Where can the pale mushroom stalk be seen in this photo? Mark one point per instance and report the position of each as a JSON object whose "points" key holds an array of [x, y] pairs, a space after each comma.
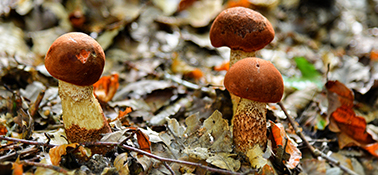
{"points": [[83, 117], [252, 83], [236, 55]]}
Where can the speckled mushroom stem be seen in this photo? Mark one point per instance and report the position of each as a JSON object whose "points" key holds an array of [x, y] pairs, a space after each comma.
{"points": [[83, 117], [237, 55], [248, 123]]}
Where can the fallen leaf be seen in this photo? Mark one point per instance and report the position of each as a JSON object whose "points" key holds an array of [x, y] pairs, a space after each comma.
{"points": [[281, 138], [372, 149], [17, 167], [105, 88], [224, 66], [143, 141], [236, 3], [120, 163], [224, 161], [57, 152], [342, 117]]}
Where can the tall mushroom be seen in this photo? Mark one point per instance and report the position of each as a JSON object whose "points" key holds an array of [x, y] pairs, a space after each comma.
{"points": [[77, 61], [243, 30], [252, 83]]}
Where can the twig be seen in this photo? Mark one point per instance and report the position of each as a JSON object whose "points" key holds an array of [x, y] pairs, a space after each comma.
{"points": [[169, 168], [34, 107], [21, 153], [55, 168], [163, 159], [114, 144], [185, 83], [29, 142], [315, 152]]}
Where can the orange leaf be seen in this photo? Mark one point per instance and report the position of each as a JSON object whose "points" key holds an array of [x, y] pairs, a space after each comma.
{"points": [[344, 95], [372, 148], [236, 3], [374, 55], [280, 137], [3, 129], [143, 141], [17, 167], [343, 119], [122, 114], [352, 125], [57, 152], [105, 88], [224, 66], [195, 73]]}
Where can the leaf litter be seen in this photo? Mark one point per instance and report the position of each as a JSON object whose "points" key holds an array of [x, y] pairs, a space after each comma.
{"points": [[168, 97]]}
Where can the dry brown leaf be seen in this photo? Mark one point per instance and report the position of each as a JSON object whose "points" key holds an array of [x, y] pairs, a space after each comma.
{"points": [[120, 163]]}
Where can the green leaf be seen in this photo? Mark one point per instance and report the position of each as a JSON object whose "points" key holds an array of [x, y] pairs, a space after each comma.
{"points": [[309, 75], [307, 69]]}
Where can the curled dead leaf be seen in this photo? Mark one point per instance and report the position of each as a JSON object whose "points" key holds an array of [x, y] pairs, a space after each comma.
{"points": [[105, 88], [281, 138], [57, 152], [351, 128]]}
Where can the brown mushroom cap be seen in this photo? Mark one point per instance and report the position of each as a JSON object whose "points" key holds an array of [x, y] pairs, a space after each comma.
{"points": [[241, 28], [255, 79], [75, 58]]}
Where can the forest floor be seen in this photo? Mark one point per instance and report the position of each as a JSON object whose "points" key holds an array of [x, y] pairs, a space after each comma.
{"points": [[170, 113]]}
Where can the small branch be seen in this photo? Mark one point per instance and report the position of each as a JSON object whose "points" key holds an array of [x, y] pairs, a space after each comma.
{"points": [[16, 153], [28, 142], [55, 168], [169, 168], [163, 159], [114, 144], [315, 152], [34, 107]]}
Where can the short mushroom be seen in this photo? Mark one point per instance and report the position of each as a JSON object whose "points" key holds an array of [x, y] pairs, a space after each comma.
{"points": [[252, 83], [77, 61], [243, 30]]}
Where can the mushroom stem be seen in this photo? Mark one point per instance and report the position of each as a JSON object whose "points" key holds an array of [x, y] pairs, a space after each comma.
{"points": [[248, 123], [83, 117], [237, 55]]}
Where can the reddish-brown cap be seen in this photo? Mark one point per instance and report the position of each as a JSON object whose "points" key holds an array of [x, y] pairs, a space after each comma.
{"points": [[241, 28], [75, 58], [255, 79]]}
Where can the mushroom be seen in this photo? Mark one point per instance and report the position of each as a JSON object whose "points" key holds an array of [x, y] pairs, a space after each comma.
{"points": [[77, 61], [252, 83], [243, 30]]}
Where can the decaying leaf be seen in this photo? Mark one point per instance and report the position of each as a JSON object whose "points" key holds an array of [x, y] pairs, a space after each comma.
{"points": [[106, 87], [224, 161], [352, 128], [17, 167], [283, 140], [179, 66], [224, 66], [255, 156], [120, 163], [57, 152]]}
